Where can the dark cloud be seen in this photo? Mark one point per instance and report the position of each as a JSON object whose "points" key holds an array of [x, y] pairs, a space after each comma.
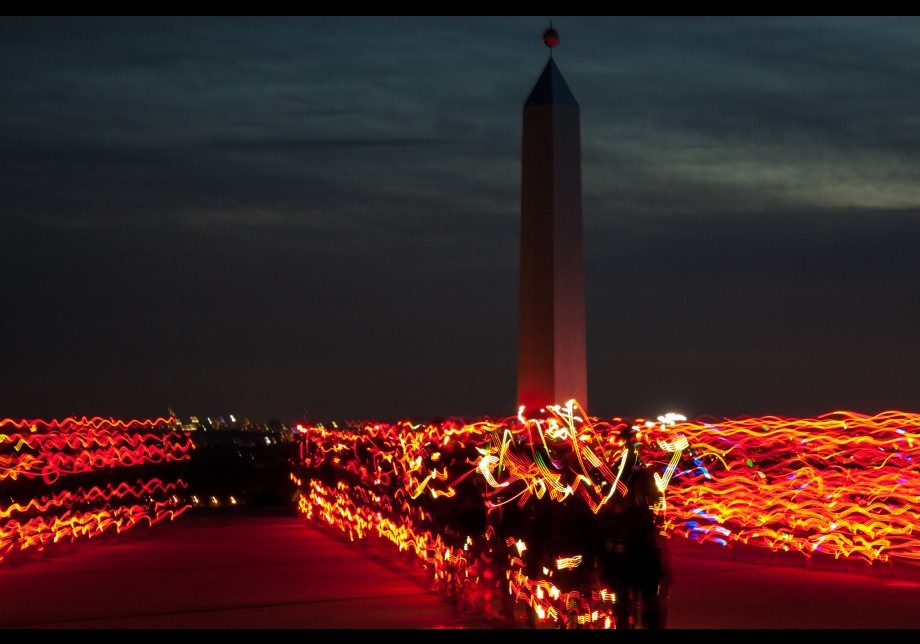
{"points": [[259, 215]]}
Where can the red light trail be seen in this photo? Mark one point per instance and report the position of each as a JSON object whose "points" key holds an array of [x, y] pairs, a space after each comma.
{"points": [[839, 485], [500, 512], [59, 452]]}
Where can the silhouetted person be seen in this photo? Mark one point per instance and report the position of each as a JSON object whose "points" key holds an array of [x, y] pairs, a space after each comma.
{"points": [[667, 580], [632, 562]]}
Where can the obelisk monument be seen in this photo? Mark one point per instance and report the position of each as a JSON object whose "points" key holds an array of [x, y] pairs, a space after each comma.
{"points": [[551, 326]]}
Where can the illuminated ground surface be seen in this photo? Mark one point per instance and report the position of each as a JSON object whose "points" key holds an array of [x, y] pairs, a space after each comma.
{"points": [[267, 569]]}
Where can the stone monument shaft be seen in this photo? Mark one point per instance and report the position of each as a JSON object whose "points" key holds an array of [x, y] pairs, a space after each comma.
{"points": [[551, 327]]}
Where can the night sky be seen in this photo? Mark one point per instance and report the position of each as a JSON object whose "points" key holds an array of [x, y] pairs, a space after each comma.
{"points": [[319, 216]]}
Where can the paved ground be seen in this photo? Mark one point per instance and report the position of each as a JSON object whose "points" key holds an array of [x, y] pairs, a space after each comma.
{"points": [[269, 570], [714, 592]]}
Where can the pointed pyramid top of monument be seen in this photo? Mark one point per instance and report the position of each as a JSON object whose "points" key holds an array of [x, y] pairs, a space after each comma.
{"points": [[551, 88]]}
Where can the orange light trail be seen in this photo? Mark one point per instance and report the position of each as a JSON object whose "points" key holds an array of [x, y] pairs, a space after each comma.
{"points": [[39, 459], [839, 485]]}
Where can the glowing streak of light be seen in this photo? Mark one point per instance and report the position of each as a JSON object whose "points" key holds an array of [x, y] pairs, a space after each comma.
{"points": [[568, 563], [54, 450], [839, 485]]}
